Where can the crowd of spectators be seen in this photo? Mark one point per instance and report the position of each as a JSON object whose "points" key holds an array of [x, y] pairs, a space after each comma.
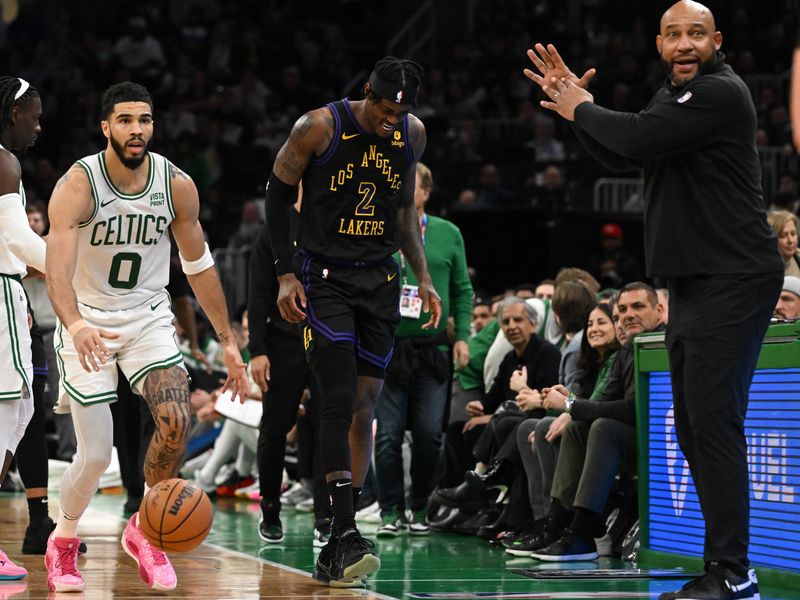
{"points": [[230, 79]]}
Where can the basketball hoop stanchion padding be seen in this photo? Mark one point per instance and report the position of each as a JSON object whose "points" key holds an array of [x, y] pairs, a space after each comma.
{"points": [[671, 524]]}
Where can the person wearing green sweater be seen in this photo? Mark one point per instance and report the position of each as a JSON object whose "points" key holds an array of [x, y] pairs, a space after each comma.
{"points": [[418, 376]]}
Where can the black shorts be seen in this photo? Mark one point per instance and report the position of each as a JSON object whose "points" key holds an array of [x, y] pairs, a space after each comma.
{"points": [[354, 306]]}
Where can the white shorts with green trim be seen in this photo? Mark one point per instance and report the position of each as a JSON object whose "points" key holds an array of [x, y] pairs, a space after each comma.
{"points": [[146, 341], [16, 366]]}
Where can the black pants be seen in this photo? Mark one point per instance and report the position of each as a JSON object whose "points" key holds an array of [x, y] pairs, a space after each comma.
{"points": [[290, 376], [716, 327], [31, 452], [458, 455]]}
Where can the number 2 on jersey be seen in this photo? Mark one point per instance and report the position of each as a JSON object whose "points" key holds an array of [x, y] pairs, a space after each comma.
{"points": [[365, 208]]}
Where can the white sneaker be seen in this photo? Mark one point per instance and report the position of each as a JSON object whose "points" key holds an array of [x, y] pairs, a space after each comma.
{"points": [[370, 513], [305, 506], [245, 491], [208, 486], [297, 493]]}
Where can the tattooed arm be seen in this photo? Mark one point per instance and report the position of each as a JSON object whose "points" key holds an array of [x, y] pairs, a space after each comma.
{"points": [[206, 286], [310, 137], [410, 234]]}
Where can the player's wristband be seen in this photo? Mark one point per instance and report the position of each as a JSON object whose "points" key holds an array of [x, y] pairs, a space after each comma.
{"points": [[77, 326], [193, 267]]}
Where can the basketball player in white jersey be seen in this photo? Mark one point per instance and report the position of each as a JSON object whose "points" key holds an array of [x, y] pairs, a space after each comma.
{"points": [[20, 110], [107, 269]]}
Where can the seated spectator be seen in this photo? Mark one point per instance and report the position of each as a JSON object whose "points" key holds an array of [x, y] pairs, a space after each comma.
{"points": [[544, 145], [518, 321], [788, 307], [481, 315], [784, 224], [612, 266], [598, 443], [545, 289], [538, 440]]}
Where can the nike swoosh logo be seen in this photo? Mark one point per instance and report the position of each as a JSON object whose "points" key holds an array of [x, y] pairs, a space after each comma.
{"points": [[390, 277], [107, 202], [349, 137], [344, 484], [155, 306]]}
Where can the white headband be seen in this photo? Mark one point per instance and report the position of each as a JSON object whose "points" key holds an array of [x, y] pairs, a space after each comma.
{"points": [[23, 87]]}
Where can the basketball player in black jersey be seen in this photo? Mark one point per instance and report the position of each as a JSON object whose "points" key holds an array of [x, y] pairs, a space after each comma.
{"points": [[357, 160]]}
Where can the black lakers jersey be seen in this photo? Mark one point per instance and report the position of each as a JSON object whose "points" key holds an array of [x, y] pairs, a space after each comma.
{"points": [[352, 192]]}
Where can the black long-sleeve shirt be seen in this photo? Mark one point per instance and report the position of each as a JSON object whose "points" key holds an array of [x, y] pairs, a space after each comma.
{"points": [[541, 359], [704, 205], [262, 308]]}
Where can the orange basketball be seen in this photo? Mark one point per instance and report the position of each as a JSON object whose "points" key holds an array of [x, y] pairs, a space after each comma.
{"points": [[175, 515]]}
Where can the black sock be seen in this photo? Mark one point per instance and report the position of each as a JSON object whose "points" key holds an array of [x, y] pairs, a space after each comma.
{"points": [[560, 517], [356, 496], [587, 524], [341, 492], [37, 509], [270, 509]]}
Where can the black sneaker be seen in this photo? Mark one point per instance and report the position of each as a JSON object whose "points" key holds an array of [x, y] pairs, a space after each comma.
{"points": [[270, 531], [567, 548], [527, 544], [718, 583], [346, 560], [35, 540]]}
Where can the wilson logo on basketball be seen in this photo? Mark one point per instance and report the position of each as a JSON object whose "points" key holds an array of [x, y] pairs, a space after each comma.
{"points": [[187, 492]]}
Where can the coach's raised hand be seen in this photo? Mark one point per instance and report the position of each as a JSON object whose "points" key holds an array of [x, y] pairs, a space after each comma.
{"points": [[550, 65]]}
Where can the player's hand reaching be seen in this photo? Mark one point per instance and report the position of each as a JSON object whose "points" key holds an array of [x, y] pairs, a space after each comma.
{"points": [[550, 65], [91, 349], [291, 292], [237, 382], [431, 302]]}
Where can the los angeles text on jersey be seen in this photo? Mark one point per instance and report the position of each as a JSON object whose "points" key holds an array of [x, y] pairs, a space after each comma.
{"points": [[122, 230], [371, 158]]}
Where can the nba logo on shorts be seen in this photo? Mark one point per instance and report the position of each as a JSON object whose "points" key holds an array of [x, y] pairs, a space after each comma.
{"points": [[399, 98]]}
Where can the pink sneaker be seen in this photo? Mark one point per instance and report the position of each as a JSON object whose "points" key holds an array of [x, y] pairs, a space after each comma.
{"points": [[8, 570], [154, 566], [61, 561]]}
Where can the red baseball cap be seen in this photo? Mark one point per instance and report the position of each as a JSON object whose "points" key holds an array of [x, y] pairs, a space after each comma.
{"points": [[611, 230]]}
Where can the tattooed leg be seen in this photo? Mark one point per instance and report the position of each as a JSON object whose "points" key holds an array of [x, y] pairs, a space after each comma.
{"points": [[167, 394]]}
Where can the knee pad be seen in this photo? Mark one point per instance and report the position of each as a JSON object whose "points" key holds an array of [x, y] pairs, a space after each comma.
{"points": [[334, 369]]}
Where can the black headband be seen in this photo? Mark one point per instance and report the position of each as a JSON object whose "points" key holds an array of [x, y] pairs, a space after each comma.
{"points": [[393, 92]]}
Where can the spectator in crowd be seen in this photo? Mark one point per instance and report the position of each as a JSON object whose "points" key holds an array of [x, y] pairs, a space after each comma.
{"points": [[788, 307], [546, 148], [415, 392], [545, 289], [784, 224], [481, 315], [599, 442], [612, 266]]}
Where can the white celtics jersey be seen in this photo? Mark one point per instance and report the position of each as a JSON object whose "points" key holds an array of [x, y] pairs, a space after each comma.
{"points": [[124, 247], [9, 263]]}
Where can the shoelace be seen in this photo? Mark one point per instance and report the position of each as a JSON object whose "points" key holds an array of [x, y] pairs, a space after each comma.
{"points": [[67, 560], [355, 540], [159, 556]]}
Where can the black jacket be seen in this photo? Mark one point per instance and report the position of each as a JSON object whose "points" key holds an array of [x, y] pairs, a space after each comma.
{"points": [[618, 400], [540, 357], [262, 308], [704, 205]]}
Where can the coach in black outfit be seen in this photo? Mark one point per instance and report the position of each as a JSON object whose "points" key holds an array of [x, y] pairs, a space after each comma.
{"points": [[276, 347], [706, 233]]}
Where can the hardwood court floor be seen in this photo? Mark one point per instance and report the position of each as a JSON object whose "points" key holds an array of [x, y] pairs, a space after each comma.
{"points": [[234, 564]]}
